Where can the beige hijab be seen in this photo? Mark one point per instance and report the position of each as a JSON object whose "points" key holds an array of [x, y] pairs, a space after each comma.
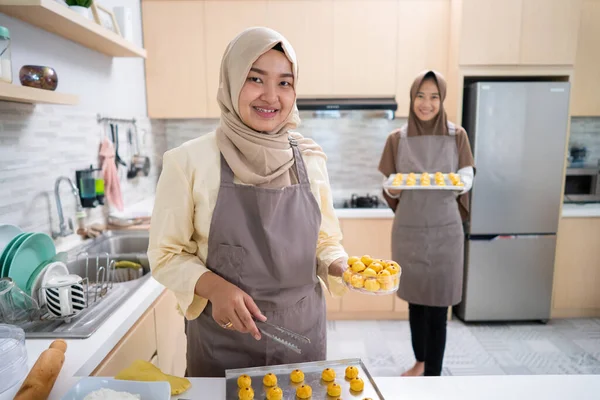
{"points": [[256, 158], [438, 125]]}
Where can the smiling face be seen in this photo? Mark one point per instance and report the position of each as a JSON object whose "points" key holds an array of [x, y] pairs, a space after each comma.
{"points": [[268, 95], [427, 101]]}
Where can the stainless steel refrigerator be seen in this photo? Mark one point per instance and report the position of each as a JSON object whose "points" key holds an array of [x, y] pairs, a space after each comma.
{"points": [[518, 134]]}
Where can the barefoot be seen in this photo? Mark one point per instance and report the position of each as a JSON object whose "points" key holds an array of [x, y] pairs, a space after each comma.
{"points": [[417, 370]]}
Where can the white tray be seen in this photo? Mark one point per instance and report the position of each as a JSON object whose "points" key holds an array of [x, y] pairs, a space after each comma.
{"points": [[417, 186], [146, 390]]}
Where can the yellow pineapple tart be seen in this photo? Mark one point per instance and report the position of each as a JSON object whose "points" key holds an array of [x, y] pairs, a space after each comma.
{"points": [[270, 380], [347, 276], [334, 389], [372, 285], [275, 393], [297, 376], [351, 372], [369, 272], [376, 266], [366, 259], [352, 260], [357, 281], [328, 375], [304, 391], [358, 266], [244, 381], [246, 393], [357, 385]]}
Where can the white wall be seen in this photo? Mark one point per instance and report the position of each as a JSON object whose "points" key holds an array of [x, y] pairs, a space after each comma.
{"points": [[104, 84]]}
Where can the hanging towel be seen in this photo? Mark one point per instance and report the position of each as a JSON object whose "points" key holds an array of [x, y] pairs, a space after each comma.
{"points": [[112, 185]]}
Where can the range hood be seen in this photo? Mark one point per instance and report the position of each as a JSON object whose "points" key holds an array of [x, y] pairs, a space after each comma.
{"points": [[346, 103]]}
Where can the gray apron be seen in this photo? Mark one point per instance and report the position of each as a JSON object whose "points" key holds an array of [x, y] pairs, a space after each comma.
{"points": [[427, 234], [264, 241]]}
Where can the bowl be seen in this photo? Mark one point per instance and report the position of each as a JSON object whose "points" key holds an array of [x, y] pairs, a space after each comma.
{"points": [[382, 280], [146, 390], [38, 76]]}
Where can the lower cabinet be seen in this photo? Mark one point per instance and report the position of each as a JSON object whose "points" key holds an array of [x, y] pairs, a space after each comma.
{"points": [[158, 337]]}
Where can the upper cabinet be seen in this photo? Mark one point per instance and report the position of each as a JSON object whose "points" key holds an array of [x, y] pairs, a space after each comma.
{"points": [[423, 28], [585, 98], [549, 32], [490, 32], [364, 47], [513, 32], [223, 20], [176, 65], [309, 28]]}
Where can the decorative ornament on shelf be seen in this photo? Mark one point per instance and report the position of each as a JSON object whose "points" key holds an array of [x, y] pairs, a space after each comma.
{"points": [[81, 7], [106, 18], [38, 76]]}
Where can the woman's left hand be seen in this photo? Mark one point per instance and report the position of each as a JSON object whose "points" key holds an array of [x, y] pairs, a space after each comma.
{"points": [[338, 267]]}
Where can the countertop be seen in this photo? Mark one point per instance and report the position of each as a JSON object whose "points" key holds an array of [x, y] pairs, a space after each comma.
{"points": [[571, 210], [515, 387]]}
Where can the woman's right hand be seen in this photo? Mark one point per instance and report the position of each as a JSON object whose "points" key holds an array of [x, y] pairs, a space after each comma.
{"points": [[231, 304]]}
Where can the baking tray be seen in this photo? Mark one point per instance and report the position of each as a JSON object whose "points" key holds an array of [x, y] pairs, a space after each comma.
{"points": [[387, 184], [312, 376]]}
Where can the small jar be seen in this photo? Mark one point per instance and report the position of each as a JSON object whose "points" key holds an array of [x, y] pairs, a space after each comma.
{"points": [[5, 56]]}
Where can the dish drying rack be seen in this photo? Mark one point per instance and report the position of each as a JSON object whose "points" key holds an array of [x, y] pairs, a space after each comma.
{"points": [[94, 291]]}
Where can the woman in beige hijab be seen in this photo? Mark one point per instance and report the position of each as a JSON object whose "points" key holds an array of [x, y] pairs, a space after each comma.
{"points": [[243, 228], [427, 234]]}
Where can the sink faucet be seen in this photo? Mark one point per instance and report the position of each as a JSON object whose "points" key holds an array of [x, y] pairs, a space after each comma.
{"points": [[63, 229]]}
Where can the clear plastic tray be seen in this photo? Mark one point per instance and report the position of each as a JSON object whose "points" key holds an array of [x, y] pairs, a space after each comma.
{"points": [[401, 182], [378, 285], [312, 376]]}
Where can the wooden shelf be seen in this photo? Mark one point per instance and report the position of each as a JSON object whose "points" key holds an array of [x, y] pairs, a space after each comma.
{"points": [[24, 94], [56, 18]]}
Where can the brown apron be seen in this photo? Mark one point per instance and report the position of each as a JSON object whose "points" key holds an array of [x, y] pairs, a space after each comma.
{"points": [[427, 234], [264, 241]]}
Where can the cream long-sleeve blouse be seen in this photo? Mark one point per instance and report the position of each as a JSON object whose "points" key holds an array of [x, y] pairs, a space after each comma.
{"points": [[186, 195]]}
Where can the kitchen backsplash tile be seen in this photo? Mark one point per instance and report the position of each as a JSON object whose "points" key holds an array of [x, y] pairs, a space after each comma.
{"points": [[40, 143], [353, 143], [586, 132]]}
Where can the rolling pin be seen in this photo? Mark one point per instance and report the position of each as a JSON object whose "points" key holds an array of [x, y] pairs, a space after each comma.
{"points": [[40, 380]]}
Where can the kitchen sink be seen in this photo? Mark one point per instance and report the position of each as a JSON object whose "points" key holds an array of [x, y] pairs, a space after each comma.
{"points": [[90, 259]]}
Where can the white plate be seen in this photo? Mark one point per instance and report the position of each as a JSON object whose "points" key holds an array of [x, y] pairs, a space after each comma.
{"points": [[7, 233], [52, 270], [147, 390]]}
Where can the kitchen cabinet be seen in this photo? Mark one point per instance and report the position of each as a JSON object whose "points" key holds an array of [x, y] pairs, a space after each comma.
{"points": [[174, 36], [586, 82], [158, 337], [308, 26], [171, 342], [490, 32], [519, 32], [139, 343], [549, 31], [223, 21], [426, 50], [365, 47], [577, 269]]}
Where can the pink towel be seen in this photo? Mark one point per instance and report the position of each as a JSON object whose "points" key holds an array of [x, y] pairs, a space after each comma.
{"points": [[112, 185]]}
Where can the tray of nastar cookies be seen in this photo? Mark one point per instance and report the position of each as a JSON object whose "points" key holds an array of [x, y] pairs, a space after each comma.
{"points": [[424, 181], [332, 380]]}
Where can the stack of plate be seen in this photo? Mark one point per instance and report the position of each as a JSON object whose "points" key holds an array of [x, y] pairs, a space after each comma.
{"points": [[24, 256]]}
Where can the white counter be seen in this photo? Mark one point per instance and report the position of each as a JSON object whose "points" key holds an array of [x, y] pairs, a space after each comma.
{"points": [[570, 210], [84, 355], [516, 387]]}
